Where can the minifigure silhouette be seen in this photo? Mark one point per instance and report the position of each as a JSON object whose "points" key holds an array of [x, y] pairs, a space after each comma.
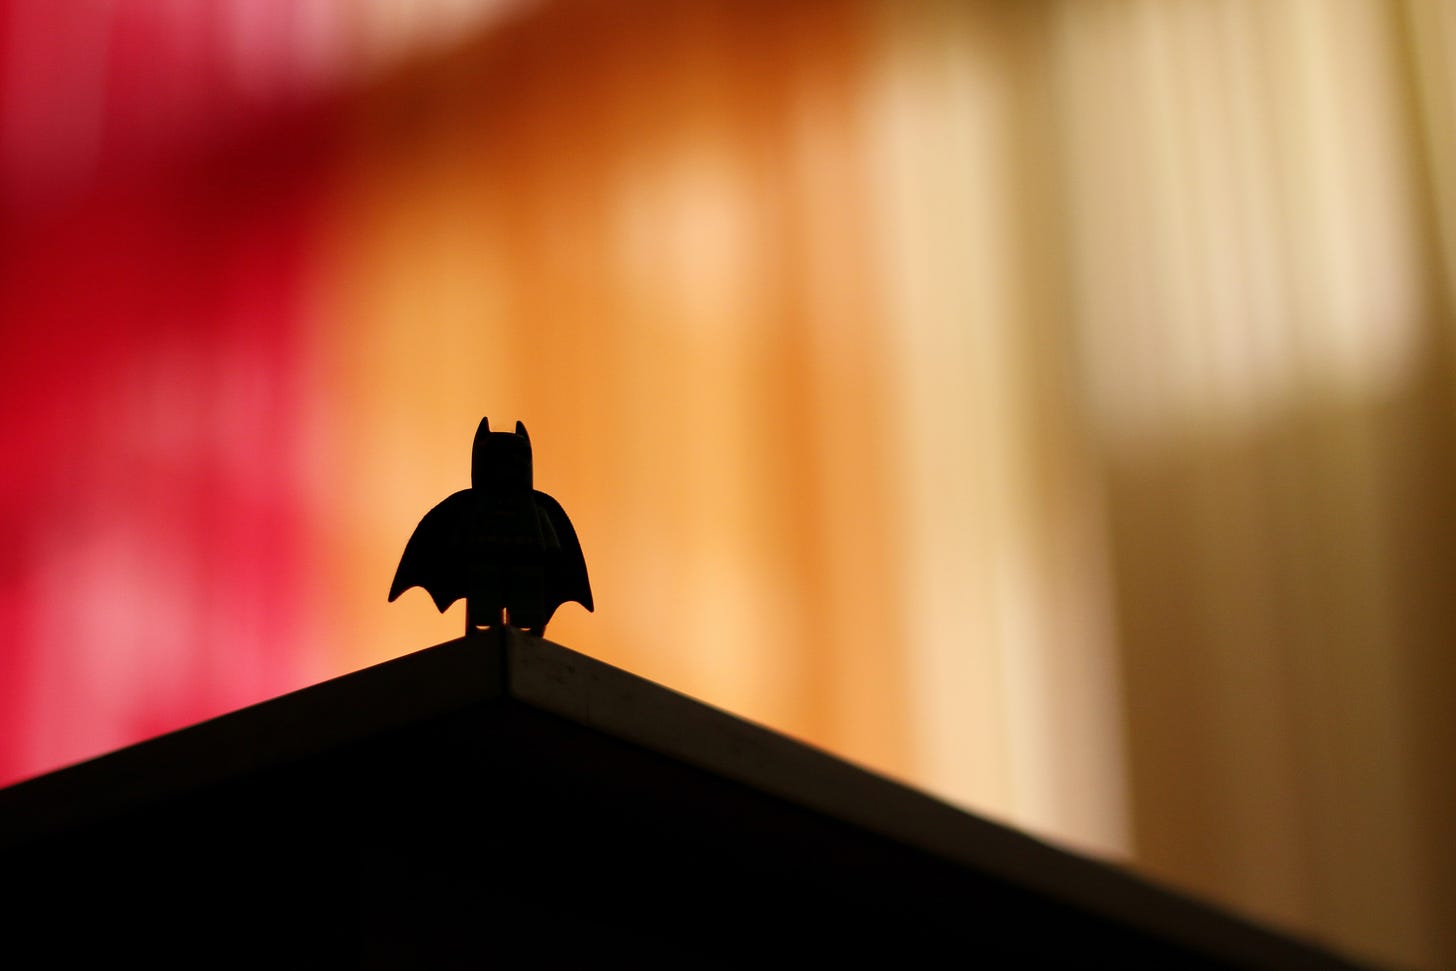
{"points": [[505, 547]]}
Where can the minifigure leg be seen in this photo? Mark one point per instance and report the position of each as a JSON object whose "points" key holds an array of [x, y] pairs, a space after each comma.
{"points": [[527, 610], [477, 617]]}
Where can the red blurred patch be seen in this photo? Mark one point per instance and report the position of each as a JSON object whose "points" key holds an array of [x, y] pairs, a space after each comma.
{"points": [[152, 310]]}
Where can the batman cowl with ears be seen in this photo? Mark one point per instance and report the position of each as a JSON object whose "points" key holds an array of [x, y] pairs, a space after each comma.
{"points": [[507, 549]]}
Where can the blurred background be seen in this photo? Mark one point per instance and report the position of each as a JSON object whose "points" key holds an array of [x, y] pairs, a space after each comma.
{"points": [[1047, 404]]}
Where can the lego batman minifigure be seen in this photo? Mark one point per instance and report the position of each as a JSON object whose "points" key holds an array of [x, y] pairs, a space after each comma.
{"points": [[508, 549]]}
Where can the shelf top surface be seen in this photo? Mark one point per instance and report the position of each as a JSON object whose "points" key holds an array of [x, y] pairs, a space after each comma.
{"points": [[511, 671]]}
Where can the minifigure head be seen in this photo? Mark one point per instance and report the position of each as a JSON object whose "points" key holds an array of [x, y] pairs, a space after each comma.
{"points": [[500, 462]]}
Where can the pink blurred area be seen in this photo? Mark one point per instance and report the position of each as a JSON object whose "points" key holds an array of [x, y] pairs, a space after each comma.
{"points": [[155, 216], [168, 180]]}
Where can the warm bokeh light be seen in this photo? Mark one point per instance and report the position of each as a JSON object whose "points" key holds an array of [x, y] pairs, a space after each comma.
{"points": [[1048, 404]]}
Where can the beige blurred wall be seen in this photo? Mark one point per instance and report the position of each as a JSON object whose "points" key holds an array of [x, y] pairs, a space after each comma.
{"points": [[1044, 403]]}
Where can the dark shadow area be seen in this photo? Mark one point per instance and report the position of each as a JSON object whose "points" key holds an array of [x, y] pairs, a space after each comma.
{"points": [[434, 812]]}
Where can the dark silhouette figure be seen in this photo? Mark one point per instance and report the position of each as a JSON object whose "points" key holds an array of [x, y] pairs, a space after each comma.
{"points": [[508, 549]]}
